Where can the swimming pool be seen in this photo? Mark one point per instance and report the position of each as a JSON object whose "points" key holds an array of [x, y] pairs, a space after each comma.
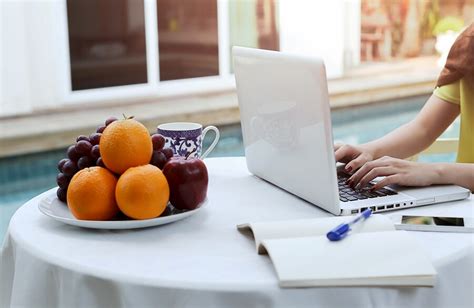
{"points": [[22, 177]]}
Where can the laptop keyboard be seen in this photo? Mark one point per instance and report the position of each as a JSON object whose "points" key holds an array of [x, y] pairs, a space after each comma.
{"points": [[346, 193]]}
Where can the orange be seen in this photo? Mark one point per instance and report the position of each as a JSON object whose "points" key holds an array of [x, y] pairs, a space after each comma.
{"points": [[142, 192], [91, 194], [124, 144]]}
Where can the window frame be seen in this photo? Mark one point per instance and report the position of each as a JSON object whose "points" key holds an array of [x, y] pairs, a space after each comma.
{"points": [[154, 88]]}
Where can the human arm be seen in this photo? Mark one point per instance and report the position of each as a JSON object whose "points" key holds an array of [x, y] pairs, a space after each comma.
{"points": [[405, 141]]}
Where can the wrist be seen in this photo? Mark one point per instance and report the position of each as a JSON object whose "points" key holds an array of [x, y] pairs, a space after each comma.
{"points": [[441, 174], [370, 149]]}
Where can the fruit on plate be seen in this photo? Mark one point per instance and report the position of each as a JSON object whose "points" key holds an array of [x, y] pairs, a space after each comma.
{"points": [[84, 153], [158, 142], [160, 154], [142, 192], [188, 180], [125, 144], [91, 194]]}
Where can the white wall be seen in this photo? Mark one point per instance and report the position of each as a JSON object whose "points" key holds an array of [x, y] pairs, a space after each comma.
{"points": [[30, 51], [13, 61], [351, 33]]}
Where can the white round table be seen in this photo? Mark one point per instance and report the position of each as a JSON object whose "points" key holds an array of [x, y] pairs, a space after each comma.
{"points": [[203, 261]]}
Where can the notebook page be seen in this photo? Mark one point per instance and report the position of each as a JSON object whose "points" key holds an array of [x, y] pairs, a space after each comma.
{"points": [[360, 259], [310, 227]]}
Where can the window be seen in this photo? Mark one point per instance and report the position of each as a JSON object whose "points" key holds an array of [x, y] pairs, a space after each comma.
{"points": [[106, 43], [187, 37], [254, 23], [146, 42]]}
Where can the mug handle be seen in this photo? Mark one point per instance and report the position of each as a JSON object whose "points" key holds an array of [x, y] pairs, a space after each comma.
{"points": [[213, 144]]}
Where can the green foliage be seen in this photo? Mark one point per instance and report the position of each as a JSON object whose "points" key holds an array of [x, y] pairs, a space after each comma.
{"points": [[448, 23]]}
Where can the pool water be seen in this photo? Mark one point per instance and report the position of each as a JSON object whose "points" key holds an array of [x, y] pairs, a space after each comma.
{"points": [[23, 177]]}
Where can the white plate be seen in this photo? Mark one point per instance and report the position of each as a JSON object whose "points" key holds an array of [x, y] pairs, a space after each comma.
{"points": [[52, 207]]}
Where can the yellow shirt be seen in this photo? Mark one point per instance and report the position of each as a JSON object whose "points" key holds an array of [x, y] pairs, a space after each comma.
{"points": [[462, 94]]}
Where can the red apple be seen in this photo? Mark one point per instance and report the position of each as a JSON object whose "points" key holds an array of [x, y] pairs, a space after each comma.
{"points": [[188, 179]]}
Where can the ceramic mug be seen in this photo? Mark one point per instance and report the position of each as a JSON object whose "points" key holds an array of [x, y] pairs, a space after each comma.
{"points": [[186, 138]]}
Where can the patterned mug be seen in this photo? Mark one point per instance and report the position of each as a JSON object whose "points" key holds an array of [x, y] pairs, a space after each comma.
{"points": [[185, 138]]}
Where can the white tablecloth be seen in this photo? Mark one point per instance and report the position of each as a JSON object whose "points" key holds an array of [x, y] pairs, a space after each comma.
{"points": [[203, 261]]}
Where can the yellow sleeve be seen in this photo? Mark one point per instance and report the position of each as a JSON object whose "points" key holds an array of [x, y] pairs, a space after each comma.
{"points": [[449, 92]]}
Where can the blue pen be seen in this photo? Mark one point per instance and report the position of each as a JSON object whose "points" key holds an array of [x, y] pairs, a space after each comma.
{"points": [[339, 232]]}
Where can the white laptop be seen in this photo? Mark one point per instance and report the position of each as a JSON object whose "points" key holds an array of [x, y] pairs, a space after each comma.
{"points": [[286, 126]]}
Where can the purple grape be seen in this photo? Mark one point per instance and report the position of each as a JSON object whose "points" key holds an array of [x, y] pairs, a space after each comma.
{"points": [[158, 142], [62, 194], [84, 162], [168, 152], [100, 162], [62, 180], [83, 147], [100, 129], [82, 137], [70, 168], [95, 152], [158, 159], [95, 138], [72, 153], [61, 164], [110, 120]]}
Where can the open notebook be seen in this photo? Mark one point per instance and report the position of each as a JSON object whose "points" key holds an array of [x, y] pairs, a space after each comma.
{"points": [[373, 255]]}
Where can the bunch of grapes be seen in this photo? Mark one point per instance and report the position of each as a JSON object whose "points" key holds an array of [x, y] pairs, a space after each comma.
{"points": [[86, 153], [161, 155], [83, 154]]}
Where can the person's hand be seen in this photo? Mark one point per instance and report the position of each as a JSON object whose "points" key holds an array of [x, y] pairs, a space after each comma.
{"points": [[353, 156], [395, 171]]}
